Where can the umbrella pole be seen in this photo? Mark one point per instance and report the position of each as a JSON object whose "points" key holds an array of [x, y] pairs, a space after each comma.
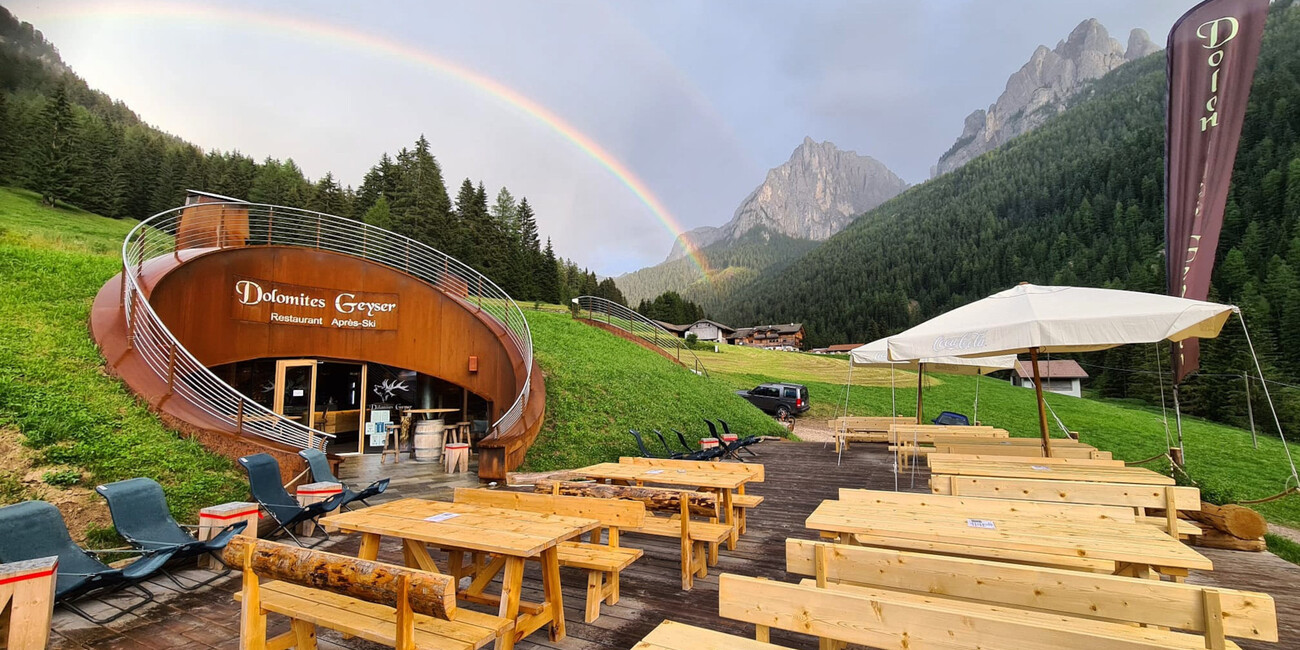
{"points": [[920, 379], [1042, 412], [977, 398]]}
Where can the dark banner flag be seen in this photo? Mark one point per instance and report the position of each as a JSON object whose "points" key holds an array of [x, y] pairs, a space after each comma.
{"points": [[1211, 60]]}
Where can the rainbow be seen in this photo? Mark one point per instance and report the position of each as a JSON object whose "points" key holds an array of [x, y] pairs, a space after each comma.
{"points": [[279, 25]]}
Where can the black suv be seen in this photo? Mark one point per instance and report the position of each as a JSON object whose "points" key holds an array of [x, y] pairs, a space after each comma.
{"points": [[782, 400]]}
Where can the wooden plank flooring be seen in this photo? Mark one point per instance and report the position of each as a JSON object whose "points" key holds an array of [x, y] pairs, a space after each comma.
{"points": [[799, 476]]}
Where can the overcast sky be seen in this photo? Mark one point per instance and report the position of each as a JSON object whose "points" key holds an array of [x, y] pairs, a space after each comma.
{"points": [[697, 99]]}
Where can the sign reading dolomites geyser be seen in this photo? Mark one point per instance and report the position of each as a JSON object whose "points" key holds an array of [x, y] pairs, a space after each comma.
{"points": [[1211, 61], [262, 301]]}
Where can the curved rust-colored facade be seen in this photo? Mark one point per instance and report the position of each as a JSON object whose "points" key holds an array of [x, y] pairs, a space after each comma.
{"points": [[203, 297]]}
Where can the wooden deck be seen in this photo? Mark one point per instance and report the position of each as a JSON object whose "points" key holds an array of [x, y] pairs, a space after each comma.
{"points": [[799, 476]]}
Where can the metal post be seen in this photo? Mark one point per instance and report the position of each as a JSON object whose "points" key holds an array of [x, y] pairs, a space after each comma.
{"points": [[239, 417], [920, 377], [1250, 412], [1178, 418], [171, 367]]}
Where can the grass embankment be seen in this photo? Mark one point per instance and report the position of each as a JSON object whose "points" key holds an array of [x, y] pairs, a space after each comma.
{"points": [[1220, 458], [64, 424], [599, 385]]}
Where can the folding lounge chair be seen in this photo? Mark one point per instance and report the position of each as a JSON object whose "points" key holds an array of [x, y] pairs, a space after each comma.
{"points": [[747, 440], [731, 449], [709, 453], [320, 473], [645, 453], [675, 455], [35, 529], [264, 482], [141, 516]]}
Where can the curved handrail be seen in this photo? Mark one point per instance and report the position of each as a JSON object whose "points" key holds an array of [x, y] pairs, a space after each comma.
{"points": [[646, 329], [219, 225]]}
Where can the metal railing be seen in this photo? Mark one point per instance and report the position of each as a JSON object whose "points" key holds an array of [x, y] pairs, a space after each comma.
{"points": [[613, 314], [215, 226]]}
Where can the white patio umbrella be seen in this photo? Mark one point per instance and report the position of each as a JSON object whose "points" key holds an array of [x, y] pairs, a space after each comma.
{"points": [[876, 354], [1034, 319]]}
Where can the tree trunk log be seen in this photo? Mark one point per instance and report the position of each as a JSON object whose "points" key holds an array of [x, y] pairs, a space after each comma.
{"points": [[1238, 521], [1212, 538], [703, 504], [376, 582]]}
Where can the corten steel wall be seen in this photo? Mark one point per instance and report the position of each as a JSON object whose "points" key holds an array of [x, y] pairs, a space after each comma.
{"points": [[434, 334]]}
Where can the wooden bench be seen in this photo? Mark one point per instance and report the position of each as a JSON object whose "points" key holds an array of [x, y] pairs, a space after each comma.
{"points": [[1106, 606], [602, 562], [699, 540], [1075, 450], [1171, 498], [741, 501], [27, 603], [928, 433], [1023, 460], [382, 603], [863, 429]]}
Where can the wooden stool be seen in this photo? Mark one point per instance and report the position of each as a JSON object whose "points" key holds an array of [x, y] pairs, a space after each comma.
{"points": [[26, 603], [213, 518], [313, 492], [457, 457]]}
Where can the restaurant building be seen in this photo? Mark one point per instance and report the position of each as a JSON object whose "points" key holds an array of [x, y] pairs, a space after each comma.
{"points": [[263, 328]]}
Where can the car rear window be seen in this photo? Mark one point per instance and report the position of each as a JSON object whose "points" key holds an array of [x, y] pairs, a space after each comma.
{"points": [[803, 392], [791, 393]]}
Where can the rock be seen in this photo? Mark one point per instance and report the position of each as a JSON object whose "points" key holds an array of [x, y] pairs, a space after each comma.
{"points": [[1040, 89], [815, 194]]}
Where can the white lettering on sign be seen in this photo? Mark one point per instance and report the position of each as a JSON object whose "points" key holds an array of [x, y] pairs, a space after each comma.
{"points": [[981, 523], [1215, 33], [268, 302], [967, 341]]}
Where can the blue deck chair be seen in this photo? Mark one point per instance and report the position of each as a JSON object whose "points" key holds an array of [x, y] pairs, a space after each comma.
{"points": [[951, 419], [141, 516], [35, 529], [320, 473], [264, 482]]}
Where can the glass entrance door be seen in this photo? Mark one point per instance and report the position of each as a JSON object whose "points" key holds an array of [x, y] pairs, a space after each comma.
{"points": [[295, 390]]}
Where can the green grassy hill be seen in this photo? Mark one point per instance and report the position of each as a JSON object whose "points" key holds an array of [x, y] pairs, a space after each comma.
{"points": [[598, 386], [65, 425], [1220, 459]]}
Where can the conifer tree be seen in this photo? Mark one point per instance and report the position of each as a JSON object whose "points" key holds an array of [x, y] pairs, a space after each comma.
{"points": [[55, 148]]}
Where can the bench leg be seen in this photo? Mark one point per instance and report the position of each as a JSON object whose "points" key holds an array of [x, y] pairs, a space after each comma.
{"points": [[611, 595], [713, 554], [304, 634], [552, 588], [594, 594], [511, 584], [702, 567], [688, 565]]}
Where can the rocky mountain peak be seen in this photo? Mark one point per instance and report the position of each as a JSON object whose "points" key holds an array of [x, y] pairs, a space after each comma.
{"points": [[1040, 89], [813, 195]]}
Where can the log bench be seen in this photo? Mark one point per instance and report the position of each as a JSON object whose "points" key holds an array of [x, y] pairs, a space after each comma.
{"points": [[382, 603], [1105, 607], [699, 540], [1171, 498], [602, 562]]}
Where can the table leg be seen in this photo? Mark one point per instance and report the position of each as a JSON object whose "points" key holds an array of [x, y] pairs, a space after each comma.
{"points": [[511, 586], [369, 546], [418, 556], [730, 513], [551, 588]]}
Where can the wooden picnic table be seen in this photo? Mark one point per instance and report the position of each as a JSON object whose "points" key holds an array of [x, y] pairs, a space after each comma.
{"points": [[511, 537], [722, 481], [1116, 547], [994, 468]]}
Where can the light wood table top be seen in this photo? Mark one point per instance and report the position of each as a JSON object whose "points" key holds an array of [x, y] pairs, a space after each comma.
{"points": [[474, 528], [1135, 475], [994, 536], [708, 478]]}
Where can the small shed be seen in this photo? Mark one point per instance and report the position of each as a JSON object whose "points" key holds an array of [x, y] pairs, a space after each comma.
{"points": [[1061, 376]]}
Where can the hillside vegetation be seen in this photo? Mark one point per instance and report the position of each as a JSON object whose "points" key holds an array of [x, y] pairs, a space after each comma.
{"points": [[599, 385], [63, 422], [1079, 201], [1220, 458]]}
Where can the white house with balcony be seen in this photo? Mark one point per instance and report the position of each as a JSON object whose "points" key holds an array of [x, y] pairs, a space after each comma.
{"points": [[1063, 376]]}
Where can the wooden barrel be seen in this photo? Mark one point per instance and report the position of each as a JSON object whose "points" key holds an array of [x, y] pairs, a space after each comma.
{"points": [[428, 440]]}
